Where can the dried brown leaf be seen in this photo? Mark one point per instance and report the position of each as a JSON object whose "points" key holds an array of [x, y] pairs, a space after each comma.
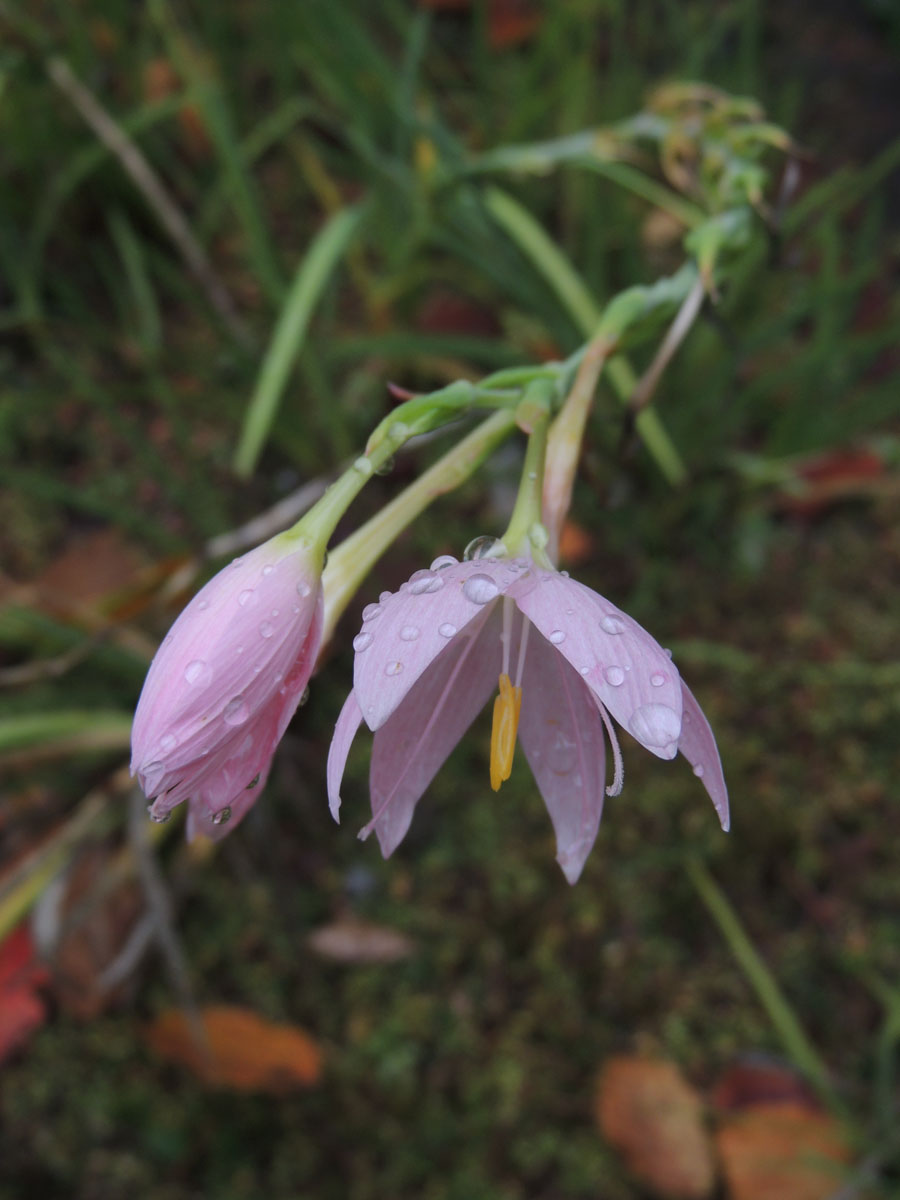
{"points": [[654, 1118]]}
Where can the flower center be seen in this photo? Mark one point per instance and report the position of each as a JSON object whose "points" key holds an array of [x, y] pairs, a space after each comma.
{"points": [[507, 707]]}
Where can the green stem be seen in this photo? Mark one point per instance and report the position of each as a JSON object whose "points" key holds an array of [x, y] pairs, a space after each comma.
{"points": [[778, 1008], [526, 534], [351, 561]]}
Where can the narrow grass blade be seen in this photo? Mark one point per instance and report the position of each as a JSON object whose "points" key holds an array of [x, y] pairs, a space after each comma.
{"points": [[312, 275]]}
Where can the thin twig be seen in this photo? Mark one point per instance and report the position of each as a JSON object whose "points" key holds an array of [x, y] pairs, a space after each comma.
{"points": [[154, 191], [157, 897], [678, 331]]}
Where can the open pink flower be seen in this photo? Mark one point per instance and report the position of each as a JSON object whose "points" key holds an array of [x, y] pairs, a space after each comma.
{"points": [[225, 683], [429, 657]]}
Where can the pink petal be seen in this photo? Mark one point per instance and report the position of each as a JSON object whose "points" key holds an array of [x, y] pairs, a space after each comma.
{"points": [[625, 668], [698, 745], [410, 629], [562, 735], [344, 733], [412, 746]]}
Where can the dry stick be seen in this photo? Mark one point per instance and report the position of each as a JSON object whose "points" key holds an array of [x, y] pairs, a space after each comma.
{"points": [[157, 897], [678, 331], [154, 192], [565, 438]]}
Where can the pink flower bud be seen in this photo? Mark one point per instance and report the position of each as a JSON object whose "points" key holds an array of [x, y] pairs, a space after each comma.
{"points": [[225, 683]]}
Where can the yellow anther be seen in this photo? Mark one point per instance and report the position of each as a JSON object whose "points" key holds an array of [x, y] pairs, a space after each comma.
{"points": [[507, 707]]}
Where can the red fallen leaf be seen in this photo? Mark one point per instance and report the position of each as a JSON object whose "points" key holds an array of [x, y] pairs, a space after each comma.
{"points": [[753, 1081], [245, 1052], [349, 940], [576, 545], [654, 1118], [22, 1010], [830, 477], [783, 1150]]}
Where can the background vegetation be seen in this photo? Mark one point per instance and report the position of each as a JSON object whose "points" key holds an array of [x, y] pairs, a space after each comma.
{"points": [[461, 1061]]}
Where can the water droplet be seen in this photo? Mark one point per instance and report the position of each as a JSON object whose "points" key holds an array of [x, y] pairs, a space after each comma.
{"points": [[295, 608], [240, 650], [562, 752], [668, 652], [247, 598], [198, 673], [304, 697], [480, 589], [236, 562], [612, 625], [246, 746], [168, 742], [585, 670], [222, 817], [362, 641], [202, 605], [699, 770], [253, 782], [257, 669], [443, 561], [371, 611], [236, 711], [303, 589], [393, 668], [564, 574], [570, 612], [484, 547], [386, 467], [384, 596], [614, 676], [447, 630], [656, 725], [557, 637], [425, 582], [363, 465], [409, 633], [658, 679], [268, 569], [266, 629], [159, 817]]}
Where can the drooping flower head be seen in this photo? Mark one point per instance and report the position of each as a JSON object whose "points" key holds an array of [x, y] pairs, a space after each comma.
{"points": [[225, 683], [565, 660]]}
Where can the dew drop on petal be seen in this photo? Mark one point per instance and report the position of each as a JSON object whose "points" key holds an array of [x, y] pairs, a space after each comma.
{"points": [[371, 611], [202, 605], [699, 770], [384, 596], [222, 817], [268, 569], [668, 652], [658, 679], [557, 637], [236, 711], [168, 742], [363, 465], [266, 629], [480, 589], [655, 725], [483, 547], [274, 612], [253, 782], [445, 560], [447, 630], [409, 633], [159, 817], [198, 673], [304, 697], [362, 641], [393, 668], [303, 589], [425, 582], [614, 676], [612, 625]]}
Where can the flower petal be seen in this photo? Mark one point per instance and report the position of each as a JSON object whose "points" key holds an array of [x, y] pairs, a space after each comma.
{"points": [[626, 669], [698, 745], [406, 632], [344, 733], [412, 746], [562, 735]]}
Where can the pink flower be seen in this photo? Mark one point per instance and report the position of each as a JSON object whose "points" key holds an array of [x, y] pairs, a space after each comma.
{"points": [[428, 658], [225, 683]]}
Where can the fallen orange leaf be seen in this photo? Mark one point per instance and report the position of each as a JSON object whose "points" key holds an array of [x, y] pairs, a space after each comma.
{"points": [[654, 1118], [782, 1150], [244, 1051]]}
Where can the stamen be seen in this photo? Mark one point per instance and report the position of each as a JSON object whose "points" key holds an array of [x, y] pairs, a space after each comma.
{"points": [[619, 776], [506, 636], [520, 665], [507, 707]]}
